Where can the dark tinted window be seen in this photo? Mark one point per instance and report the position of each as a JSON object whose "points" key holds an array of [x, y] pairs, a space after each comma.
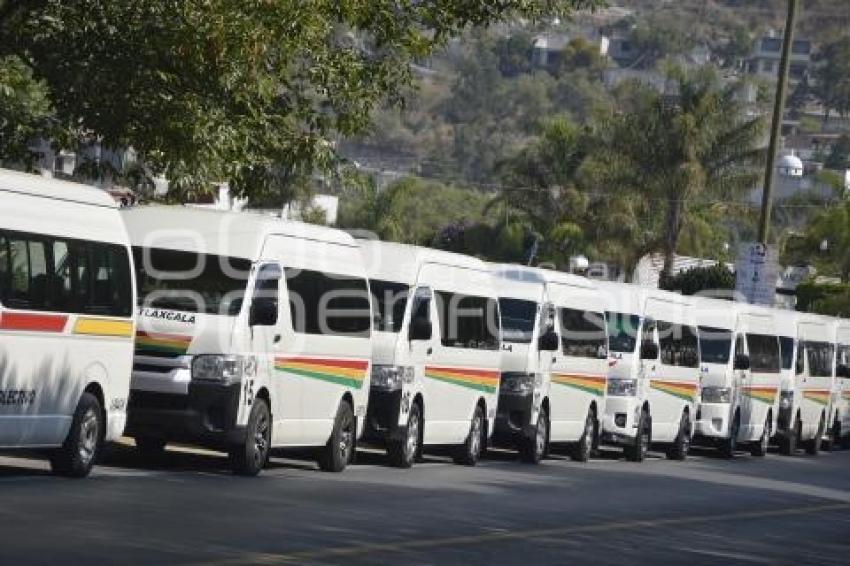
{"points": [[389, 300], [800, 367], [622, 331], [678, 345], [44, 273], [786, 351], [468, 321], [764, 353], [583, 333], [190, 282], [715, 345], [820, 356], [518, 317], [328, 304], [843, 355]]}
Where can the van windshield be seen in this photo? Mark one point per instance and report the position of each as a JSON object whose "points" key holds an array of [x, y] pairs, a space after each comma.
{"points": [[764, 353], [389, 300], [622, 331], [715, 345], [190, 282], [518, 318]]}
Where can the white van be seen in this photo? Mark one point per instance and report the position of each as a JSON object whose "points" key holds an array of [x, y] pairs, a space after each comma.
{"points": [[253, 333], [815, 376], [789, 395], [653, 379], [66, 328], [840, 433], [554, 361], [436, 355]]}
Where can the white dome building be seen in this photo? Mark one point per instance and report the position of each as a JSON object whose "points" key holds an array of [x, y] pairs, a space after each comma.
{"points": [[790, 166]]}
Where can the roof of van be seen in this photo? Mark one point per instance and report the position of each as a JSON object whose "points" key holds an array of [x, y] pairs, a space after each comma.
{"points": [[392, 261], [44, 187], [238, 234]]}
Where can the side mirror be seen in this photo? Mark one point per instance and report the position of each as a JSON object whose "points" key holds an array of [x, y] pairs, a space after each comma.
{"points": [[649, 351], [843, 371], [602, 353], [742, 362], [548, 341], [420, 329], [263, 312]]}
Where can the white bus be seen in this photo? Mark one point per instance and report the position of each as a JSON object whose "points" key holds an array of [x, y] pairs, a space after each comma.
{"points": [[554, 362], [66, 327], [840, 433], [436, 355], [253, 334], [815, 379]]}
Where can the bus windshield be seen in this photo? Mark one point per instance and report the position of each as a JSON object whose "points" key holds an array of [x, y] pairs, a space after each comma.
{"points": [[518, 318], [715, 345], [190, 282], [622, 331]]}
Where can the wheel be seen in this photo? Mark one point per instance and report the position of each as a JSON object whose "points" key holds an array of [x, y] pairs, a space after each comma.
{"points": [[788, 443], [85, 438], [813, 446], [636, 452], [834, 437], [403, 453], [250, 458], [759, 448], [727, 449], [339, 450], [532, 450], [150, 447], [583, 450], [682, 443], [469, 452]]}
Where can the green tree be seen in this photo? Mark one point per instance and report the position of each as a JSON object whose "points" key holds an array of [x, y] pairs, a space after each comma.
{"points": [[25, 111], [717, 277], [839, 155], [833, 228], [832, 76], [213, 90]]}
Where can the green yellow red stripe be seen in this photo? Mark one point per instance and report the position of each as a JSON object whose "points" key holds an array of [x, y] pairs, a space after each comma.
{"points": [[478, 379], [103, 327], [819, 396], [594, 384], [159, 343], [686, 391], [350, 373], [761, 393]]}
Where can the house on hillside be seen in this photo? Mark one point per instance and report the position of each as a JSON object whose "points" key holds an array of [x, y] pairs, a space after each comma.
{"points": [[767, 51]]}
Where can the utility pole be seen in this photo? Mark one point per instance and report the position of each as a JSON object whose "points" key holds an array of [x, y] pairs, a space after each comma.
{"points": [[776, 125]]}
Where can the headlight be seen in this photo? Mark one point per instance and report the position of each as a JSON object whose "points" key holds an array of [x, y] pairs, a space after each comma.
{"points": [[519, 383], [391, 377], [622, 387], [786, 399], [716, 395], [223, 369]]}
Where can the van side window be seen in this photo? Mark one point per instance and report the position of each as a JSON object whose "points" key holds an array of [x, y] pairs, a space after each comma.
{"points": [[110, 280], [582, 333], [820, 356], [679, 345], [801, 358], [328, 304], [786, 350], [421, 308], [4, 267], [468, 321]]}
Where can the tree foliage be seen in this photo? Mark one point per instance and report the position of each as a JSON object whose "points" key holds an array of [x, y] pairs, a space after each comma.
{"points": [[828, 299], [832, 76], [212, 90], [697, 280]]}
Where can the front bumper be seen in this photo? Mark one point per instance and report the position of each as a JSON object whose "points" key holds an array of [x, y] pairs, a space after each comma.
{"points": [[382, 416], [513, 420], [620, 421], [207, 415], [713, 420]]}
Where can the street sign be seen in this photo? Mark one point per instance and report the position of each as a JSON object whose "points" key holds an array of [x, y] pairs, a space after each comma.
{"points": [[756, 273]]}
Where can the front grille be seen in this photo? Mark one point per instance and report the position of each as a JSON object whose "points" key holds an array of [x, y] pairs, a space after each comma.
{"points": [[158, 401], [152, 368], [155, 353]]}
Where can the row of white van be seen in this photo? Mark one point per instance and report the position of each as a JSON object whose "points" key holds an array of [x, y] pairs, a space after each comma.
{"points": [[246, 333]]}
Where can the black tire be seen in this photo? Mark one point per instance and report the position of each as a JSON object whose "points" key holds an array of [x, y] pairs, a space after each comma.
{"points": [[583, 450], [813, 446], [682, 443], [403, 453], [339, 450], [788, 443], [150, 447], [759, 447], [82, 446], [834, 442], [728, 446], [636, 452], [251, 457], [533, 450], [468, 453]]}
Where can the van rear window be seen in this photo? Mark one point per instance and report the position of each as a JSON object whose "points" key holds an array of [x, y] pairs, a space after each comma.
{"points": [[190, 282]]}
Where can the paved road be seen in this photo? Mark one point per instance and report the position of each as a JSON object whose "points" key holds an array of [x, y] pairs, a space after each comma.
{"points": [[190, 510]]}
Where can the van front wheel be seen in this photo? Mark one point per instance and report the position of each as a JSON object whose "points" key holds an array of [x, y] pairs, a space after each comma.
{"points": [[251, 457], [403, 453], [636, 452], [85, 438], [532, 450], [469, 452], [759, 449], [682, 444], [584, 449], [338, 452]]}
